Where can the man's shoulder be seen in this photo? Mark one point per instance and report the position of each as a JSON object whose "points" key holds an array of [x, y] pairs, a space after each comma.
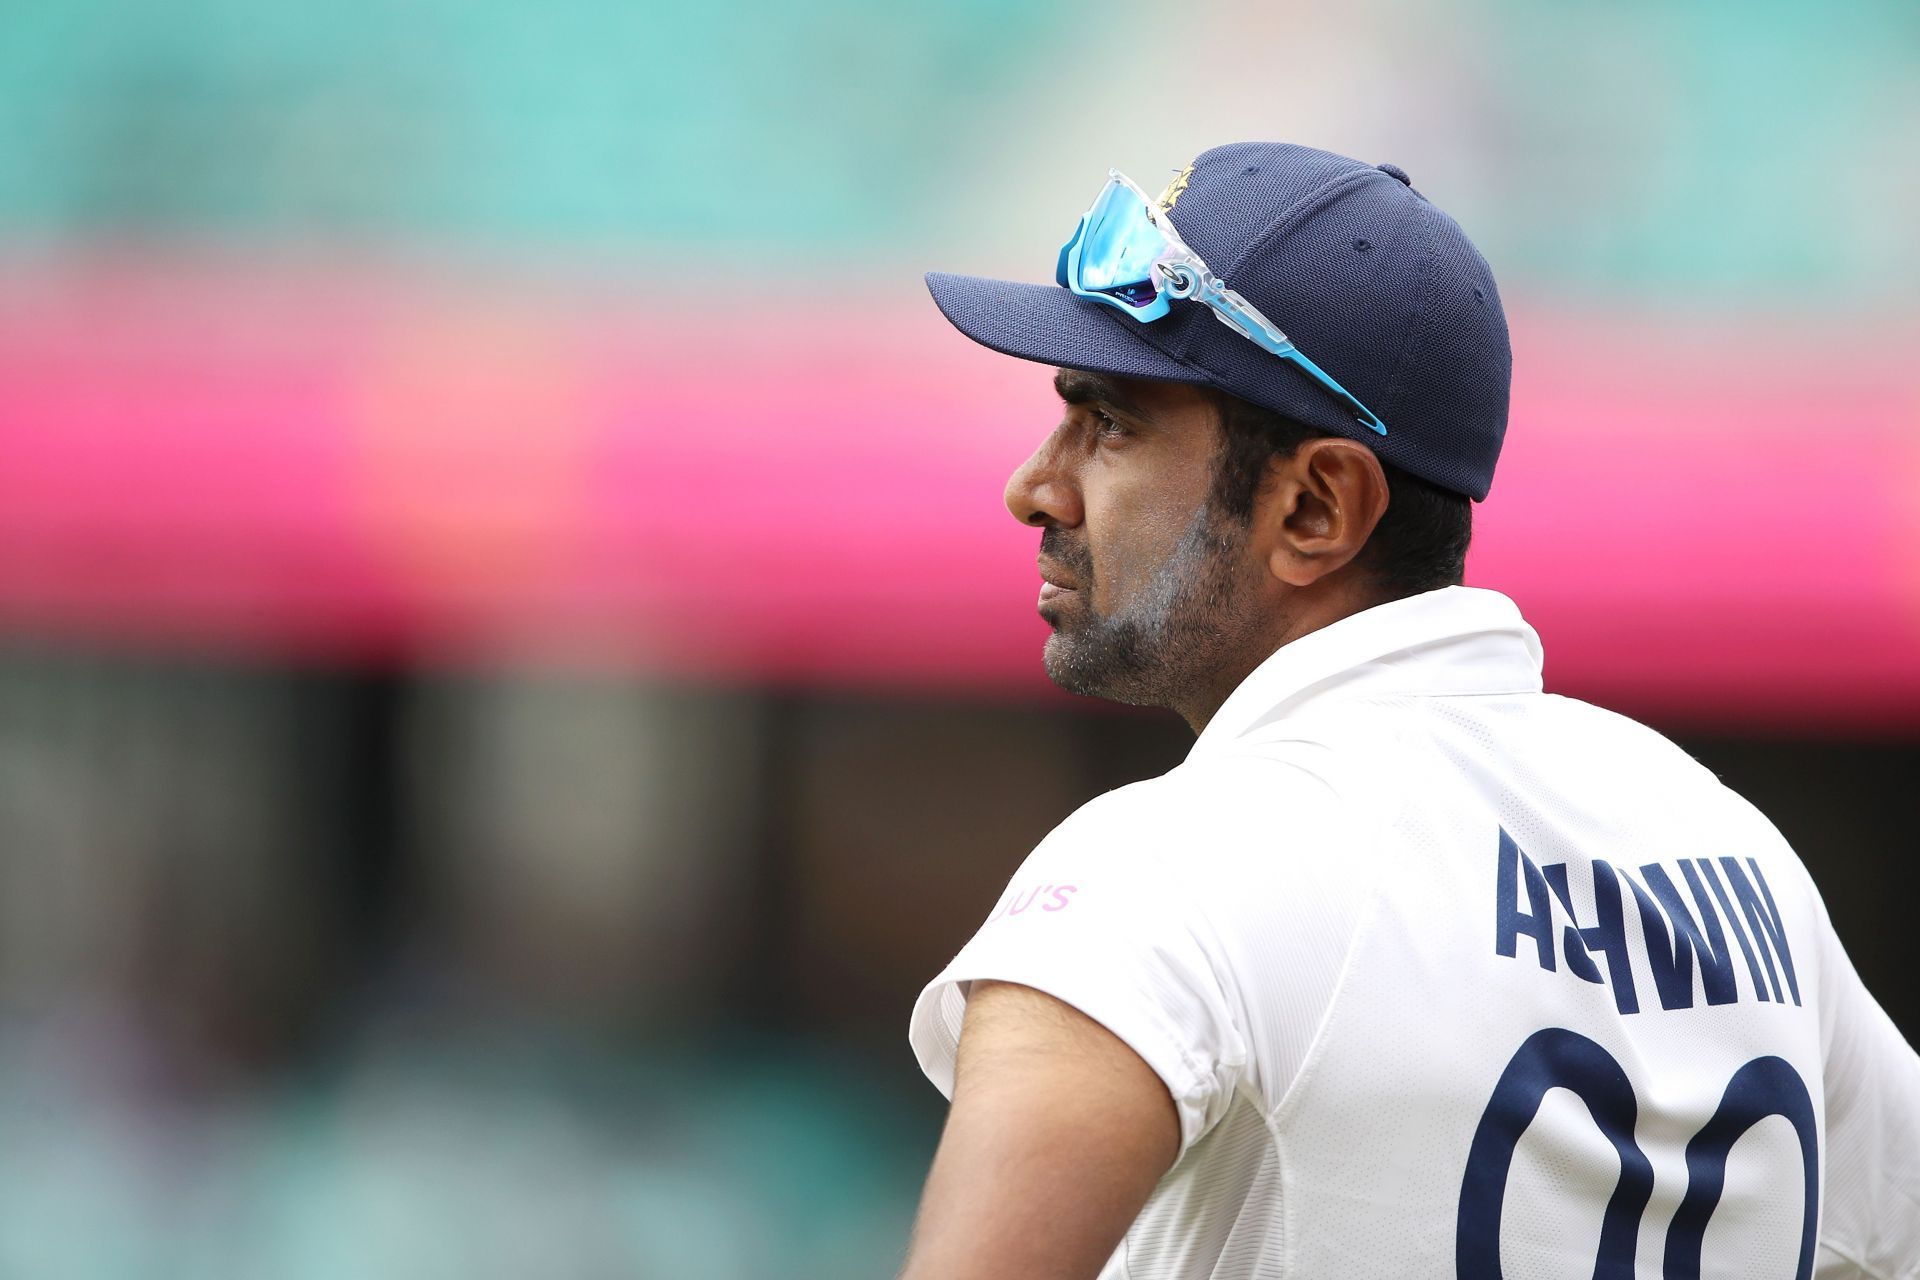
{"points": [[1610, 743], [1598, 728], [1361, 760]]}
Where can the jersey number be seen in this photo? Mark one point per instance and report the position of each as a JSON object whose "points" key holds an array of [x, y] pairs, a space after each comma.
{"points": [[1557, 1058]]}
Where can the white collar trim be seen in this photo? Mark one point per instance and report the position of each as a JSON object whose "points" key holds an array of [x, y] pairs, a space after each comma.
{"points": [[1457, 640]]}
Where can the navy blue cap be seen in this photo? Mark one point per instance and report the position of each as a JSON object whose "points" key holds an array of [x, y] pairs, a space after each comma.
{"points": [[1376, 285]]}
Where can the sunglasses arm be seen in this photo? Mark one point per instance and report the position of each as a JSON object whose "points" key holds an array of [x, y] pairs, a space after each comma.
{"points": [[1188, 277]]}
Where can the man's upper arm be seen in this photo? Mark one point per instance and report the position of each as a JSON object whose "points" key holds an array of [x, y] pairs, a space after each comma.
{"points": [[1870, 1216], [1057, 1135]]}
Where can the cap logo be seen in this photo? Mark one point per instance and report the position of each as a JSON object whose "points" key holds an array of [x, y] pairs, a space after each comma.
{"points": [[1171, 196]]}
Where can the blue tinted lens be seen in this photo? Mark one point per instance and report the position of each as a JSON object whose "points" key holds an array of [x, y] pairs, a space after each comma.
{"points": [[1064, 265], [1118, 247]]}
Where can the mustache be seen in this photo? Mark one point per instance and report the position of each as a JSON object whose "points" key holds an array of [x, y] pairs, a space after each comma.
{"points": [[1073, 557]]}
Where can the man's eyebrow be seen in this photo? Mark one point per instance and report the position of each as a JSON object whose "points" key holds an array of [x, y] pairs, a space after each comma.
{"points": [[1077, 386]]}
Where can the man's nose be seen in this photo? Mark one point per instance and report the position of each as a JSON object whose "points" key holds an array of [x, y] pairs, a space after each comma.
{"points": [[1040, 492]]}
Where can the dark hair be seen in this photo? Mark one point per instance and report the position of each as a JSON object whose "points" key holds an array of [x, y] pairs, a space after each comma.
{"points": [[1421, 541]]}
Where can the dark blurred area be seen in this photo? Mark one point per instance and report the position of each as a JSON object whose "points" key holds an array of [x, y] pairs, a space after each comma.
{"points": [[327, 971]]}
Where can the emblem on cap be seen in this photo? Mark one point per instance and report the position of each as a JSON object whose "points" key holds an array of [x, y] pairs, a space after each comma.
{"points": [[1171, 196]]}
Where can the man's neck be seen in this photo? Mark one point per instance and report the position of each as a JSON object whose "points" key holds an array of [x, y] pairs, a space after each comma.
{"points": [[1303, 613]]}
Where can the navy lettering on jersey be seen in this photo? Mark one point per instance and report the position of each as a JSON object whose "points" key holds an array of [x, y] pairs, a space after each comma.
{"points": [[1769, 935], [1511, 922], [1671, 954], [1554, 1058], [1762, 1088], [1733, 923], [1607, 935], [1676, 932], [1579, 962], [1559, 1058]]}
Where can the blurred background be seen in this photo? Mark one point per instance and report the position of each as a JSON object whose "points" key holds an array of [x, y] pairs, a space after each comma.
{"points": [[513, 668]]}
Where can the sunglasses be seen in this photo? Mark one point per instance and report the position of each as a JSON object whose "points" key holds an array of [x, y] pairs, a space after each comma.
{"points": [[1126, 254]]}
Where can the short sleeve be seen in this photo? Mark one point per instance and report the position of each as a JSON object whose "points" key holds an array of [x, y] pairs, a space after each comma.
{"points": [[1870, 1218], [1098, 918]]}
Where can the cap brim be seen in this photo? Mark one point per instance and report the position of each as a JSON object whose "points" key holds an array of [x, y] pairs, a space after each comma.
{"points": [[1050, 325]]}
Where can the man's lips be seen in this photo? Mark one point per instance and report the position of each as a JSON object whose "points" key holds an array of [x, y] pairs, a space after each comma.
{"points": [[1055, 579], [1053, 583]]}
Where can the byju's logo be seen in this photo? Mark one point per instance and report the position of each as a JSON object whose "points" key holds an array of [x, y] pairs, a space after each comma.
{"points": [[1047, 897]]}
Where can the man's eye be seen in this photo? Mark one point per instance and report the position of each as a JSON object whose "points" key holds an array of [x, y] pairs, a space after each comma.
{"points": [[1107, 428]]}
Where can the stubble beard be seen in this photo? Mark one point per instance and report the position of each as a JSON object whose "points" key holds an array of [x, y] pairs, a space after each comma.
{"points": [[1161, 647]]}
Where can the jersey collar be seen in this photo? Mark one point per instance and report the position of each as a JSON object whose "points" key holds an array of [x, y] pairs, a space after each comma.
{"points": [[1457, 640]]}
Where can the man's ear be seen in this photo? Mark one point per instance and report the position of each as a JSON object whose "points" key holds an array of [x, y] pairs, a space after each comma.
{"points": [[1319, 507]]}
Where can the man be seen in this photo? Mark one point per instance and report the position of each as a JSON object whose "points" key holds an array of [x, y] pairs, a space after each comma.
{"points": [[1410, 969]]}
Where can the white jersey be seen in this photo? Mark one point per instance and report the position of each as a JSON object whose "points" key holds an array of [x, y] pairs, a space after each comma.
{"points": [[1451, 977]]}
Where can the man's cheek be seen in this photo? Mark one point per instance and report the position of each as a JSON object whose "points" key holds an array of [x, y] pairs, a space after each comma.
{"points": [[1118, 573]]}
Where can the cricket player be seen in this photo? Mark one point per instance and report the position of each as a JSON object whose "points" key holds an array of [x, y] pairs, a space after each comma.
{"points": [[1410, 969]]}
